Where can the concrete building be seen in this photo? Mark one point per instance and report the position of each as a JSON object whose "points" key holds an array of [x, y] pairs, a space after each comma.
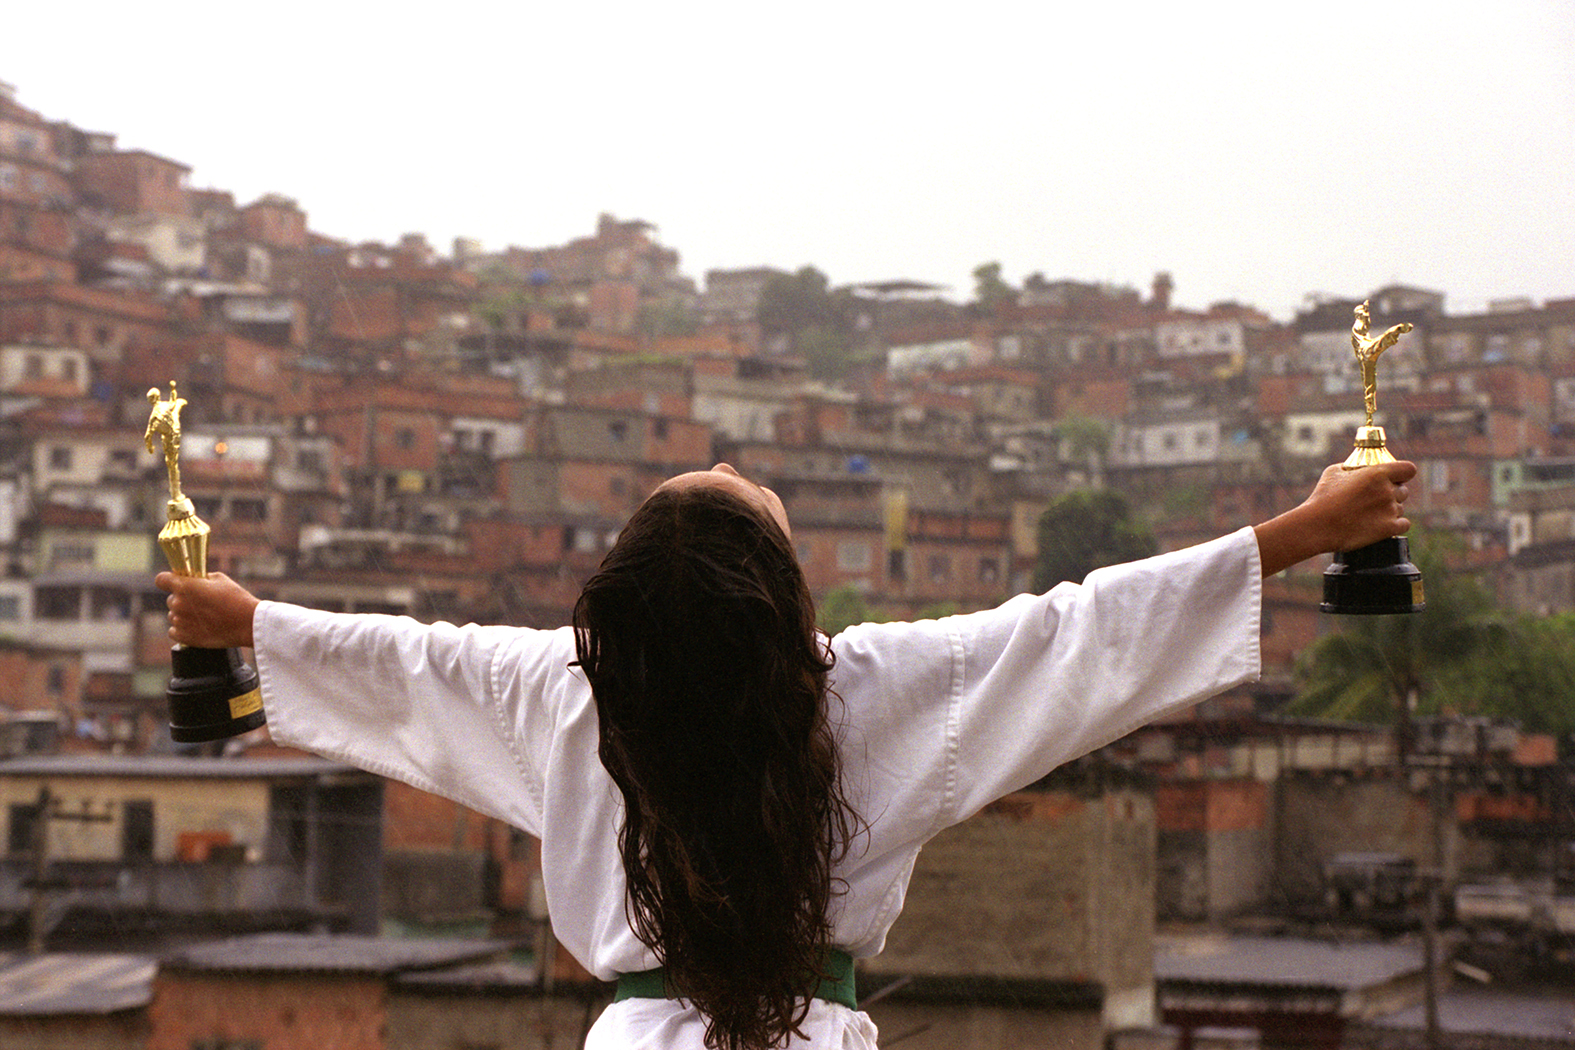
{"points": [[1048, 893], [143, 849], [1295, 993]]}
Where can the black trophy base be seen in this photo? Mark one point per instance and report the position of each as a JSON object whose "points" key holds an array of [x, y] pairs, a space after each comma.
{"points": [[212, 695], [1375, 580]]}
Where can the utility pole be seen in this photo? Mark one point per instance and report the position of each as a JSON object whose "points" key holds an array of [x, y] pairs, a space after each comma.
{"points": [[38, 902], [1435, 882], [40, 884]]}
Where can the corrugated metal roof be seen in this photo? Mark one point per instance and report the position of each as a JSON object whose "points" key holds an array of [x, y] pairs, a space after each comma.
{"points": [[56, 983], [1287, 962], [1487, 1011], [494, 974], [169, 766], [284, 952]]}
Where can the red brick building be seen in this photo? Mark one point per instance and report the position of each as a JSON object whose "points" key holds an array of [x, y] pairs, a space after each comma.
{"points": [[107, 324], [35, 243], [275, 221], [31, 172], [41, 678], [132, 181]]}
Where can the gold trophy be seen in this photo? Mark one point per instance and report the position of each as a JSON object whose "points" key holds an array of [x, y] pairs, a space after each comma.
{"points": [[1378, 578], [213, 693]]}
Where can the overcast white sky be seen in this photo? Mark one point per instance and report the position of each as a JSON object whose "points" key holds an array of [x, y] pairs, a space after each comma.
{"points": [[1258, 151]]}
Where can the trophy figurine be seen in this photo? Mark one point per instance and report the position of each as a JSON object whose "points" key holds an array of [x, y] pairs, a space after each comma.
{"points": [[213, 693], [1378, 578]]}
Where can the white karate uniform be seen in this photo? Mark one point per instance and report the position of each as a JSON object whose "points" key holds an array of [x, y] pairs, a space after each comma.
{"points": [[936, 719]]}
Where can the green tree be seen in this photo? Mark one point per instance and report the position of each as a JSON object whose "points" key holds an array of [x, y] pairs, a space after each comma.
{"points": [[816, 319], [1085, 530], [670, 315], [1524, 670], [1084, 438], [845, 607], [1386, 669], [990, 292]]}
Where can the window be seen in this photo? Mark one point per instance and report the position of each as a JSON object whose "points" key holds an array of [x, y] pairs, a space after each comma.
{"points": [[10, 607], [56, 680], [248, 510], [58, 603], [24, 819], [405, 437], [940, 568], [853, 556], [60, 457], [70, 553], [584, 541], [989, 570], [106, 604]]}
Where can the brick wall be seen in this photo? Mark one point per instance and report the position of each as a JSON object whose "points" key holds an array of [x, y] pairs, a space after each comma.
{"points": [[1044, 885], [1320, 816], [312, 1011]]}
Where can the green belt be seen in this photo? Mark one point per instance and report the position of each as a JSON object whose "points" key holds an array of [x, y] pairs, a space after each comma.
{"points": [[837, 988]]}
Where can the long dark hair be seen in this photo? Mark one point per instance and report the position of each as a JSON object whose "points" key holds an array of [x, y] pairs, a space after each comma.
{"points": [[697, 635]]}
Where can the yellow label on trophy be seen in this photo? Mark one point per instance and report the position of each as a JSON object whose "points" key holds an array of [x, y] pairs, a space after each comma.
{"points": [[246, 703]]}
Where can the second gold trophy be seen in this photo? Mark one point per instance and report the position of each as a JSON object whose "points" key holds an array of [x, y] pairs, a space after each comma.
{"points": [[213, 693], [1378, 579]]}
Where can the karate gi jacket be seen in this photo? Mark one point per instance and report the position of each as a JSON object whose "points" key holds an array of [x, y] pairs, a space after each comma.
{"points": [[935, 720]]}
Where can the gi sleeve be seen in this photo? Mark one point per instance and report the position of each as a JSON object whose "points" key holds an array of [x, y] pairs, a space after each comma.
{"points": [[952, 714], [1050, 678], [415, 702]]}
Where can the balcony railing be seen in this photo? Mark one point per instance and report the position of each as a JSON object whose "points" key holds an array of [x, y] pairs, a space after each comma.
{"points": [[175, 889]]}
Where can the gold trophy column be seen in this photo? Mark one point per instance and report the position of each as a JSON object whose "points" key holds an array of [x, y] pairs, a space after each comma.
{"points": [[213, 693], [1379, 578]]}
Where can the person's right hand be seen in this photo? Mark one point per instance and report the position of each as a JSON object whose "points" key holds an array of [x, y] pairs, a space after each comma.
{"points": [[1347, 509], [211, 613]]}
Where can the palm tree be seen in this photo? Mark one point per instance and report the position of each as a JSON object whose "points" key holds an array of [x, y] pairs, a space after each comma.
{"points": [[1390, 668]]}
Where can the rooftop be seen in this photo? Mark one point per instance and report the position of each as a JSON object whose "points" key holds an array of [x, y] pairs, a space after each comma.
{"points": [[1287, 962], [58, 983], [165, 766], [1489, 1011], [321, 953]]}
